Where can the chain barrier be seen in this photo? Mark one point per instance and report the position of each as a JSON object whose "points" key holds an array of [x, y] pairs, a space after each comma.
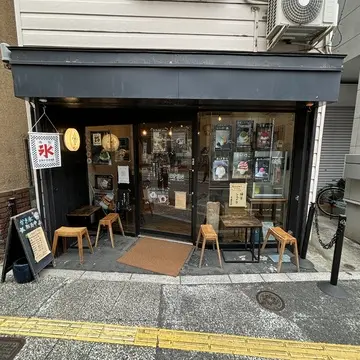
{"points": [[332, 242]]}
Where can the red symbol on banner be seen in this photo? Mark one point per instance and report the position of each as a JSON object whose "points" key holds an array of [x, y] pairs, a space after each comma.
{"points": [[45, 150]]}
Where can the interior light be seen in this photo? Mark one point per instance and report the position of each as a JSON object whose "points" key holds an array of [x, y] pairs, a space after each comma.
{"points": [[170, 132], [219, 118], [144, 132]]}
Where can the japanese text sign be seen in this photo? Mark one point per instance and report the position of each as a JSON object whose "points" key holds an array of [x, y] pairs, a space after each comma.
{"points": [[237, 195], [45, 150]]}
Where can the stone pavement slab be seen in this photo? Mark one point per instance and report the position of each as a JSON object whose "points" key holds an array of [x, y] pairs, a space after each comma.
{"points": [[229, 308]]}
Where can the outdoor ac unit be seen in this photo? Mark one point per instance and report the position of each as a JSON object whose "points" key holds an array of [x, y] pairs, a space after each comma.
{"points": [[300, 21]]}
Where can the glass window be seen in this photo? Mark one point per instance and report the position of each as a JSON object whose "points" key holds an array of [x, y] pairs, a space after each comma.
{"points": [[244, 165]]}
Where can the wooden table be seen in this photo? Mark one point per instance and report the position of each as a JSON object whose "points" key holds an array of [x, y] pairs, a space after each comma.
{"points": [[268, 201], [242, 221], [82, 217]]}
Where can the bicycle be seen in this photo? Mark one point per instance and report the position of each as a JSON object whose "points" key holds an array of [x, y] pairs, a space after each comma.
{"points": [[330, 199]]}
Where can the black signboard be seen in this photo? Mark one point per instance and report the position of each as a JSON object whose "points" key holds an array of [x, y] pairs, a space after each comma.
{"points": [[22, 228]]}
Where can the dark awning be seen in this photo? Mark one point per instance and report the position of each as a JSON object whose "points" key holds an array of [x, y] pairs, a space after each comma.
{"points": [[84, 73]]}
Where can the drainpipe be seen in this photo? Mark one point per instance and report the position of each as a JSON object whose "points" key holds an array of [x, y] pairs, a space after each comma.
{"points": [[256, 10]]}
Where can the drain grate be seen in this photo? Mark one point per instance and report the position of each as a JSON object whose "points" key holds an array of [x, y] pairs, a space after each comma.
{"points": [[270, 301], [10, 346]]}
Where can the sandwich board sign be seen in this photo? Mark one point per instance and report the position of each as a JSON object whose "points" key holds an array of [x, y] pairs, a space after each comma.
{"points": [[27, 239]]}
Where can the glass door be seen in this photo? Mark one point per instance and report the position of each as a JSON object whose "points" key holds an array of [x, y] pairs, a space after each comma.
{"points": [[165, 179]]}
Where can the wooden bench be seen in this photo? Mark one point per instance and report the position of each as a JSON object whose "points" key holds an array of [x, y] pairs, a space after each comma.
{"points": [[208, 233], [108, 221], [68, 232], [283, 238]]}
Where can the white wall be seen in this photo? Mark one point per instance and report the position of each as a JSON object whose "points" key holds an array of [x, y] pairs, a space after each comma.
{"points": [[191, 25]]}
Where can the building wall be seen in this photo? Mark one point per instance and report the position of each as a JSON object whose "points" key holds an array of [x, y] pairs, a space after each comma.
{"points": [[191, 25], [347, 38], [14, 181]]}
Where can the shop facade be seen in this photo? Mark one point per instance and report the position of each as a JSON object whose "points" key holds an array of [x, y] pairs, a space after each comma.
{"points": [[163, 134]]}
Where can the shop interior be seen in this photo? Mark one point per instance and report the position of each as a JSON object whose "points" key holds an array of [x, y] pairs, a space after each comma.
{"points": [[171, 173]]}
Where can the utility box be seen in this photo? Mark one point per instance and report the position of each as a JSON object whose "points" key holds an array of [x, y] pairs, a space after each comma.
{"points": [[352, 196]]}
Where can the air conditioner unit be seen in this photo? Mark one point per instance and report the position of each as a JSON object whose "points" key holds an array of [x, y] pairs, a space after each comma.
{"points": [[300, 21]]}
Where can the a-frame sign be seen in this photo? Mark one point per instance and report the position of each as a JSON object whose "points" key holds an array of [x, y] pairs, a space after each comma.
{"points": [[26, 238]]}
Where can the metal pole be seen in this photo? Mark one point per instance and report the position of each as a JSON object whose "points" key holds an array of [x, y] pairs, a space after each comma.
{"points": [[332, 288], [308, 227], [338, 249]]}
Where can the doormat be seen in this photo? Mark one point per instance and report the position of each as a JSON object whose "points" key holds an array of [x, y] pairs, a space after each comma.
{"points": [[160, 256], [10, 346]]}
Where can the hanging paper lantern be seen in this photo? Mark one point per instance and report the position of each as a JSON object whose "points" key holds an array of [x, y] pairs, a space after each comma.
{"points": [[110, 142], [72, 139]]}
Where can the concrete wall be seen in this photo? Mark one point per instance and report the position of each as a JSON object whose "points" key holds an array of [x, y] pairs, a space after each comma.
{"points": [[192, 25], [13, 123], [14, 180], [347, 38]]}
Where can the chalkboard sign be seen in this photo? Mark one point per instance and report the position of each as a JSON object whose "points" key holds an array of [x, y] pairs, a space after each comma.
{"points": [[26, 238]]}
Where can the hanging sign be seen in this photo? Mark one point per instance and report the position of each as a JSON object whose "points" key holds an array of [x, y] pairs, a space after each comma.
{"points": [[44, 150], [237, 195]]}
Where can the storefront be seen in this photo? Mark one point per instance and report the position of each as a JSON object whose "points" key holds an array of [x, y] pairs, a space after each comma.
{"points": [[164, 134]]}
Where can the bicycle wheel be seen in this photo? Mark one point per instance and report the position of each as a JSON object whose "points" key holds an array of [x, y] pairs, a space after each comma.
{"points": [[330, 201]]}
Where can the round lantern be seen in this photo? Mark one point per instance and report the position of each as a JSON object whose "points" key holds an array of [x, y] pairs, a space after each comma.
{"points": [[72, 139], [110, 142]]}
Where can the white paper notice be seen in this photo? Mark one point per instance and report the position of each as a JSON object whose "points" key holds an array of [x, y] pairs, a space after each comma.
{"points": [[123, 175], [180, 200]]}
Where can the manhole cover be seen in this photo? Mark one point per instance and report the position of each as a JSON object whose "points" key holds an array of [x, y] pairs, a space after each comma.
{"points": [[9, 347], [270, 300]]}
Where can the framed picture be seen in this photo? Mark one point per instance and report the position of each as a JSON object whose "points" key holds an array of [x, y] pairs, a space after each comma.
{"points": [[262, 169], [221, 170], [242, 165], [264, 136], [222, 137], [244, 132], [96, 139], [105, 199], [104, 182]]}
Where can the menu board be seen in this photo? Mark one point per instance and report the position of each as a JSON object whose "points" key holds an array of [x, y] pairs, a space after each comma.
{"points": [[27, 239], [237, 195]]}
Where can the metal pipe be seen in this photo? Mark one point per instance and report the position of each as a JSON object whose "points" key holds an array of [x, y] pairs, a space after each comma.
{"points": [[305, 241]]}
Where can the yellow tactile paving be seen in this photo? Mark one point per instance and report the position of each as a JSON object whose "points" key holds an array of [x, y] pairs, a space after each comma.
{"points": [[176, 339]]}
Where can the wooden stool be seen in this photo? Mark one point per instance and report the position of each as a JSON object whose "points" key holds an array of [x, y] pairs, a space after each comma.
{"points": [[283, 238], [78, 232], [208, 233], [108, 220]]}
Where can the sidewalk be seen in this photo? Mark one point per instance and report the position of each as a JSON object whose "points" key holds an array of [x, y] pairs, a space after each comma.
{"points": [[322, 259], [156, 302]]}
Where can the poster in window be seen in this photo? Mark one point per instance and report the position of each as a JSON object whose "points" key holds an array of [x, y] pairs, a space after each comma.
{"points": [[237, 195], [180, 200], [244, 132], [158, 196], [222, 137], [263, 136], [178, 140], [159, 139], [221, 169], [96, 139], [262, 169], [242, 165]]}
